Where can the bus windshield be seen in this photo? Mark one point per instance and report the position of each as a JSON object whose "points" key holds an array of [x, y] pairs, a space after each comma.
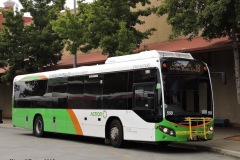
{"points": [[187, 94]]}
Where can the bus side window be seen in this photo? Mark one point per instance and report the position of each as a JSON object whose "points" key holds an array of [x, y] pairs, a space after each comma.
{"points": [[59, 92], [115, 95], [130, 90], [28, 94], [145, 75], [144, 96], [39, 89], [93, 89], [144, 101], [75, 92]]}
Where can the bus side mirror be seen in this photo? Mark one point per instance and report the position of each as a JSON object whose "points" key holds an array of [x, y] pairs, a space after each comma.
{"points": [[222, 74]]}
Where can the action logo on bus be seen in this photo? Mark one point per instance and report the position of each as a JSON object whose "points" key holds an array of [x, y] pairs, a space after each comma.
{"points": [[99, 114]]}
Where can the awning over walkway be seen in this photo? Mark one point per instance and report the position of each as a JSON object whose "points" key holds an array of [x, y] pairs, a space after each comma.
{"points": [[196, 45]]}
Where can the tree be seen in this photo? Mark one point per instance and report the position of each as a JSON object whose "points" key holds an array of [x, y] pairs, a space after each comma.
{"points": [[11, 42], [111, 26], [33, 47], [207, 18], [71, 27]]}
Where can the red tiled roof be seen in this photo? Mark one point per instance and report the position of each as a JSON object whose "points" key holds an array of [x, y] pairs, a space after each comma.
{"points": [[82, 60], [195, 45]]}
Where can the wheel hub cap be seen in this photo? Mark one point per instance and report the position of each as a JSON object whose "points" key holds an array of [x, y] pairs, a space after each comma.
{"points": [[114, 133], [39, 127]]}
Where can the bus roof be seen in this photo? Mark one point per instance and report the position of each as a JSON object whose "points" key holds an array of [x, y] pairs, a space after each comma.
{"points": [[139, 60], [147, 55]]}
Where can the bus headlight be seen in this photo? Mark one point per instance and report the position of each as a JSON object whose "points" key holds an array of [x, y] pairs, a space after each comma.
{"points": [[211, 128], [167, 130]]}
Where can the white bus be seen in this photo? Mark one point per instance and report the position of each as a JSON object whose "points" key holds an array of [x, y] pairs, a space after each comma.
{"points": [[152, 96]]}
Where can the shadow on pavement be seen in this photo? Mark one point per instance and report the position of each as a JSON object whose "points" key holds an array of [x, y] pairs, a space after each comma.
{"points": [[130, 145]]}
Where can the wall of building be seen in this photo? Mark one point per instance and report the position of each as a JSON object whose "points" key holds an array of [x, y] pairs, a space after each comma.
{"points": [[6, 99], [163, 30], [226, 106]]}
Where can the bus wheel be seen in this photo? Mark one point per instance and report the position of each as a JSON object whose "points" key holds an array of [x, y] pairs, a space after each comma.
{"points": [[38, 128], [116, 134]]}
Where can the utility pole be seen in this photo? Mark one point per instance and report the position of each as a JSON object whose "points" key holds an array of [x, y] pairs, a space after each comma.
{"points": [[75, 55]]}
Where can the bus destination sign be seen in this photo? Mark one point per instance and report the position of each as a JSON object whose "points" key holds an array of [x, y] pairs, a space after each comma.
{"points": [[182, 66]]}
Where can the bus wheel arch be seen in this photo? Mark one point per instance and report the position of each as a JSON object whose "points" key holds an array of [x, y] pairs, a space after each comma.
{"points": [[38, 125], [114, 132]]}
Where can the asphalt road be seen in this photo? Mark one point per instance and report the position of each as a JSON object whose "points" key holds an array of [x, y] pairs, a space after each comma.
{"points": [[20, 144]]}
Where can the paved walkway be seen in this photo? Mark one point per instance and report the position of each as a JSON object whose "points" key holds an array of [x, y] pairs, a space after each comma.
{"points": [[226, 141]]}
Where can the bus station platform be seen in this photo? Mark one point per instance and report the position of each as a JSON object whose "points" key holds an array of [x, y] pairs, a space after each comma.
{"points": [[226, 141]]}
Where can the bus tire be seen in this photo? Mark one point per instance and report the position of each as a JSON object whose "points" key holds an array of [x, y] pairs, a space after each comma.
{"points": [[116, 134], [38, 128]]}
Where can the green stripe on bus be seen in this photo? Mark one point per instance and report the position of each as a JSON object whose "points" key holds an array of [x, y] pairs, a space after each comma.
{"points": [[25, 118], [31, 78]]}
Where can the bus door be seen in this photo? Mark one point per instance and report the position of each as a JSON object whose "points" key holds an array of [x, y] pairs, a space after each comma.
{"points": [[57, 87], [144, 100]]}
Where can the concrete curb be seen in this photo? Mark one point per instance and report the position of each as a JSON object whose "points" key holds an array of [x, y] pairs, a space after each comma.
{"points": [[208, 148], [224, 151]]}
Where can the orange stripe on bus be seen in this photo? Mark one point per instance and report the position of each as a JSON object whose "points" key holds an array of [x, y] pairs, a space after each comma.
{"points": [[75, 122], [42, 77]]}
